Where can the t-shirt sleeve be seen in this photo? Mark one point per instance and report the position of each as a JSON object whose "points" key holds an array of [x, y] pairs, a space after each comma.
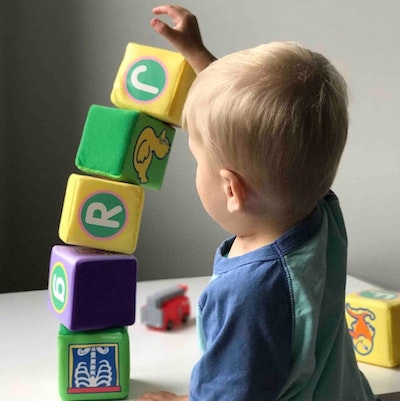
{"points": [[247, 327]]}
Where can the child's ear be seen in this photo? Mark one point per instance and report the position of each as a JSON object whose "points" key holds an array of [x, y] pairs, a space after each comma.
{"points": [[234, 188]]}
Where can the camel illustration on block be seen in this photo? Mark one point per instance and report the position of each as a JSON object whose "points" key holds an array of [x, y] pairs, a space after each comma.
{"points": [[147, 145]]}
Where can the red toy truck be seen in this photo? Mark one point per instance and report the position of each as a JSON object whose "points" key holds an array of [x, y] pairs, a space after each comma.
{"points": [[167, 308]]}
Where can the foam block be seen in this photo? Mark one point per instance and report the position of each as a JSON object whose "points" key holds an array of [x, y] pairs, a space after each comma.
{"points": [[125, 145], [100, 213], [373, 319], [155, 81], [91, 289], [93, 365]]}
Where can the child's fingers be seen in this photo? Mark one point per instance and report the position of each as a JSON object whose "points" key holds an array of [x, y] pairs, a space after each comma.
{"points": [[162, 28], [158, 396], [171, 11], [166, 9]]}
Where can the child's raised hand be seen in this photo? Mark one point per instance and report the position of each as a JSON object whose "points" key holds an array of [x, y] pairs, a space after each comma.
{"points": [[184, 35]]}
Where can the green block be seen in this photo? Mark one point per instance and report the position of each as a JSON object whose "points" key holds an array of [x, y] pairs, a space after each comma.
{"points": [[125, 145], [93, 365]]}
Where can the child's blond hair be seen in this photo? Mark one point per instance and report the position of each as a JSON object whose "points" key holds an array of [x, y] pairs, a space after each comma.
{"points": [[277, 115]]}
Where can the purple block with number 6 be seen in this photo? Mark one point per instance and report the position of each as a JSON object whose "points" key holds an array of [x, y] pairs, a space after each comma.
{"points": [[90, 289]]}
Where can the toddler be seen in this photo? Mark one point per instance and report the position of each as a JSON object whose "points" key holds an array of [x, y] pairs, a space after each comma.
{"points": [[267, 127]]}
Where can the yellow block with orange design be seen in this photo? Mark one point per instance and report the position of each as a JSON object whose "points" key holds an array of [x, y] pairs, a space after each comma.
{"points": [[373, 319]]}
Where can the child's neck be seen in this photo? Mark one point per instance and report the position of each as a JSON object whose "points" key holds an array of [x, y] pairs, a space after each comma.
{"points": [[261, 233], [247, 243]]}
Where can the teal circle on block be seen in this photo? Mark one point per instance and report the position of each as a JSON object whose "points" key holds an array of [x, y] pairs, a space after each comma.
{"points": [[146, 79], [379, 294], [103, 215]]}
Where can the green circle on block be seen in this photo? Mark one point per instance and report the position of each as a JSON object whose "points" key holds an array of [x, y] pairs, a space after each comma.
{"points": [[379, 294], [146, 80], [103, 215], [59, 287]]}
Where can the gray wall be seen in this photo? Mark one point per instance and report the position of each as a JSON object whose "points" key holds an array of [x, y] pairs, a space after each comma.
{"points": [[40, 123], [59, 57], [3, 127]]}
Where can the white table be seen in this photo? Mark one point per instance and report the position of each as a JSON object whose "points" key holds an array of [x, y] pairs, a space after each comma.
{"points": [[159, 360]]}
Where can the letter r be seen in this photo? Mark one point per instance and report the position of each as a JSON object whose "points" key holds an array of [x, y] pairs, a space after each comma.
{"points": [[105, 215]]}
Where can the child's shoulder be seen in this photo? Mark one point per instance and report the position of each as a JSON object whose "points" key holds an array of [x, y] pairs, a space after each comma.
{"points": [[260, 280]]}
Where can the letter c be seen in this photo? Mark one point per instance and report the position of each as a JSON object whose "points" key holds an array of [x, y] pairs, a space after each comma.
{"points": [[140, 85]]}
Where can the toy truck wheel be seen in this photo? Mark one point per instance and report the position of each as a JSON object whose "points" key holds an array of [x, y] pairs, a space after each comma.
{"points": [[185, 318], [170, 325]]}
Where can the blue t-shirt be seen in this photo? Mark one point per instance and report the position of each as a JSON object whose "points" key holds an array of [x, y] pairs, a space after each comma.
{"points": [[271, 322]]}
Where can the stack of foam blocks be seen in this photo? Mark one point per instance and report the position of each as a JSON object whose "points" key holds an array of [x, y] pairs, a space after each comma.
{"points": [[92, 278]]}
